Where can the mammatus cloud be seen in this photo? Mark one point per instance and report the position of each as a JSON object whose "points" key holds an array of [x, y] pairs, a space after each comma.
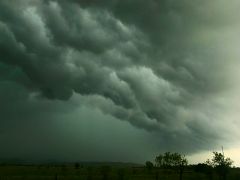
{"points": [[159, 65]]}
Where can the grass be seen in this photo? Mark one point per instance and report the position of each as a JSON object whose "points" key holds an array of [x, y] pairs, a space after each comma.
{"points": [[98, 172]]}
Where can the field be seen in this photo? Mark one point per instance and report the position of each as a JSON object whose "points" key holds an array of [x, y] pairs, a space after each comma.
{"points": [[102, 172]]}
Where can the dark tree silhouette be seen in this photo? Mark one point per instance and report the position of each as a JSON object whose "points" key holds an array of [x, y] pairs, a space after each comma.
{"points": [[205, 169], [220, 164], [159, 160], [149, 165], [172, 161]]}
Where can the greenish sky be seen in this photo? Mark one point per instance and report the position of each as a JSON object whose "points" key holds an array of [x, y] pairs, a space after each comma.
{"points": [[119, 80]]}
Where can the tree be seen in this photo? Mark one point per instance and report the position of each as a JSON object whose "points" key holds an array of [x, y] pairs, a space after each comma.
{"points": [[159, 160], [149, 165], [169, 160], [220, 164], [204, 168], [172, 160], [180, 162]]}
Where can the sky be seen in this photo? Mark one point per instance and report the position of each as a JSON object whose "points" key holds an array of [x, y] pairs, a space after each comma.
{"points": [[119, 80]]}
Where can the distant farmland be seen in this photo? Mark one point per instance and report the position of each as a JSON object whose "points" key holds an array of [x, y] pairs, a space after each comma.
{"points": [[103, 171]]}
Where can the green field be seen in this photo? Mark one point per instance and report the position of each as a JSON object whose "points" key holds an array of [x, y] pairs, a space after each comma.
{"points": [[102, 172]]}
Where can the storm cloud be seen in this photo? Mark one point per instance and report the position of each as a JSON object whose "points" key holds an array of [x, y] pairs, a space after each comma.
{"points": [[167, 67]]}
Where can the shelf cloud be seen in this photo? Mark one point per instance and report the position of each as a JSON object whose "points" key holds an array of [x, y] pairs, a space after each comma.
{"points": [[168, 68]]}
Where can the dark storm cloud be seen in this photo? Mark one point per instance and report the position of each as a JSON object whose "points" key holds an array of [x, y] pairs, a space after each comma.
{"points": [[144, 62]]}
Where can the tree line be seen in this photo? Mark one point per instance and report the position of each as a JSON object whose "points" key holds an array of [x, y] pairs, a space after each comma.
{"points": [[175, 161]]}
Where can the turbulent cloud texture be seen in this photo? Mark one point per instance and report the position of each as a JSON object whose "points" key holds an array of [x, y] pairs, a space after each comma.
{"points": [[164, 66]]}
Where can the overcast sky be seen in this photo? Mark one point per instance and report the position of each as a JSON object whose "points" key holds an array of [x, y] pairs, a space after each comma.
{"points": [[118, 80]]}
